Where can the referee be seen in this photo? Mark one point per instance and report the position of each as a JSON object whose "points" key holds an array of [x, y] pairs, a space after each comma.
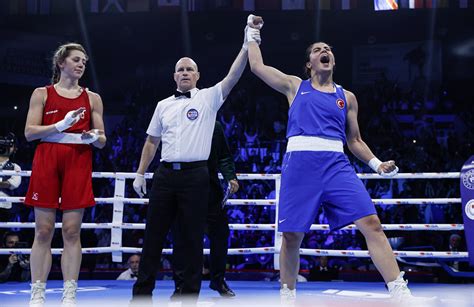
{"points": [[217, 226], [183, 123]]}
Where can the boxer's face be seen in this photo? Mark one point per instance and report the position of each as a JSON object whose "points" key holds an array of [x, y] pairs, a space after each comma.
{"points": [[321, 58], [74, 64]]}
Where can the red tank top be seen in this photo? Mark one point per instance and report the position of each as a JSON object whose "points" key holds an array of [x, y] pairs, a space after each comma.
{"points": [[56, 107]]}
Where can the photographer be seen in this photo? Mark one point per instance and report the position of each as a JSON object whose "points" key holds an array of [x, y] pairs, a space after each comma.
{"points": [[7, 149], [14, 267]]}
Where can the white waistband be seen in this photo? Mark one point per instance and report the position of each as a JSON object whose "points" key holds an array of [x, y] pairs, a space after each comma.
{"points": [[64, 138], [313, 143]]}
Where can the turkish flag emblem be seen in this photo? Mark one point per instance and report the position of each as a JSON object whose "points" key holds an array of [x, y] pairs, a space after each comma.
{"points": [[340, 103]]}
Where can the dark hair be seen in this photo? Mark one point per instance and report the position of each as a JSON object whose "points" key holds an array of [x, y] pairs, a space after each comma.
{"points": [[9, 234], [307, 71], [60, 55]]}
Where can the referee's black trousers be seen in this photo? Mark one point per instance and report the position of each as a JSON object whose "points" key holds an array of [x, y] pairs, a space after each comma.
{"points": [[181, 197], [217, 230]]}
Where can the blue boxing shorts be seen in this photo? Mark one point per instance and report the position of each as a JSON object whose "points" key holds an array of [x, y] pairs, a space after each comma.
{"points": [[312, 178]]}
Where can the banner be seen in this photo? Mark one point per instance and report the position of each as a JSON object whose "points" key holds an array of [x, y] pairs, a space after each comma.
{"points": [[467, 199]]}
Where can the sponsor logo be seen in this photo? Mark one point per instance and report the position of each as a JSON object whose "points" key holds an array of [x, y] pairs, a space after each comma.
{"points": [[281, 221], [304, 93], [340, 103], [192, 114], [468, 179], [35, 196], [51, 112], [469, 209]]}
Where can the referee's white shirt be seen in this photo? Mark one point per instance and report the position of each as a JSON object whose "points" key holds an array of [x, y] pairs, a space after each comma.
{"points": [[185, 125]]}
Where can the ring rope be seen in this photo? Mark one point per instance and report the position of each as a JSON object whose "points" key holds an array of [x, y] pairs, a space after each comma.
{"points": [[268, 202], [432, 175], [259, 250], [388, 227], [120, 201]]}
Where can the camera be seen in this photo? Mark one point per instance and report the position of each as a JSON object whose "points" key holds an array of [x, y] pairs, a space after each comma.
{"points": [[6, 144], [22, 257]]}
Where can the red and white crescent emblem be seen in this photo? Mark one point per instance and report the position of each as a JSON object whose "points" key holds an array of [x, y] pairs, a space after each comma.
{"points": [[340, 103]]}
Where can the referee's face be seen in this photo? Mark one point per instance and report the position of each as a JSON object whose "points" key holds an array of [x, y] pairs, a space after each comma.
{"points": [[186, 74]]}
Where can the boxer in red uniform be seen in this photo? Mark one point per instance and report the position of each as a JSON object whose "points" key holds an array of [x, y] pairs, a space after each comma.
{"points": [[67, 118]]}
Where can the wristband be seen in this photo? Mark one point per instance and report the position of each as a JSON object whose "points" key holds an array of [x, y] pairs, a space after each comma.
{"points": [[374, 164]]}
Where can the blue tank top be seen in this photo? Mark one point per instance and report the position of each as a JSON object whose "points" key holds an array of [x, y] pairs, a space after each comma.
{"points": [[315, 113]]}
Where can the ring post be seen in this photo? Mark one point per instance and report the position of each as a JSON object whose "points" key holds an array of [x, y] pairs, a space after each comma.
{"points": [[467, 199], [117, 219]]}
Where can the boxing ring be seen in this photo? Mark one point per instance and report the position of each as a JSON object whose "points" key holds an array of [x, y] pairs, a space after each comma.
{"points": [[332, 293]]}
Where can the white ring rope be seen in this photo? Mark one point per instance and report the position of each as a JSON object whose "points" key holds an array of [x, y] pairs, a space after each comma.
{"points": [[262, 227], [270, 202], [120, 201], [440, 175], [258, 250]]}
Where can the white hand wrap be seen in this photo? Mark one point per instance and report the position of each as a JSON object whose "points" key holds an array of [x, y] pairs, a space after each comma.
{"points": [[68, 121], [374, 164], [139, 185], [70, 138], [251, 24], [253, 35], [245, 45], [391, 174], [94, 137]]}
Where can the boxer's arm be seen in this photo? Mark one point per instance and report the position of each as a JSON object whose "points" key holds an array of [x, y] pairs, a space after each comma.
{"points": [[33, 128], [355, 143], [97, 121]]}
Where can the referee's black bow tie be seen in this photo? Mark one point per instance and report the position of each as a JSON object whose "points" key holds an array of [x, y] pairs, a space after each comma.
{"points": [[177, 94]]}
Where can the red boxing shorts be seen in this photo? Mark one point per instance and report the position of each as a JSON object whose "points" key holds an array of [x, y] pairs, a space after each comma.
{"points": [[61, 171]]}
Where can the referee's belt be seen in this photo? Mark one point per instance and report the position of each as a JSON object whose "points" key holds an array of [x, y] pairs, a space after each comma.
{"points": [[183, 165]]}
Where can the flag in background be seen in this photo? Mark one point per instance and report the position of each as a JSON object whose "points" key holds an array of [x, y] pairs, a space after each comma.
{"points": [[44, 7], [443, 3], [17, 7], [59, 7], [343, 4], [32, 7], [346, 4], [464, 4], [248, 5], [138, 6], [324, 4], [168, 2], [384, 5], [267, 5], [318, 4], [416, 4], [94, 6], [293, 4], [166, 5]]}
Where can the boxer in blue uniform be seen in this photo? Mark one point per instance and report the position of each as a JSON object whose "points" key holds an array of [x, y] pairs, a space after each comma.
{"points": [[315, 170]]}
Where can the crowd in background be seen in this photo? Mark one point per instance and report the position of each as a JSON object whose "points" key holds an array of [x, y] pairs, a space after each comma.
{"points": [[421, 131]]}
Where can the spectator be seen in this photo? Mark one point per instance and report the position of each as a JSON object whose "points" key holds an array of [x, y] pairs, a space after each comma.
{"points": [[15, 267], [132, 272], [322, 271]]}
